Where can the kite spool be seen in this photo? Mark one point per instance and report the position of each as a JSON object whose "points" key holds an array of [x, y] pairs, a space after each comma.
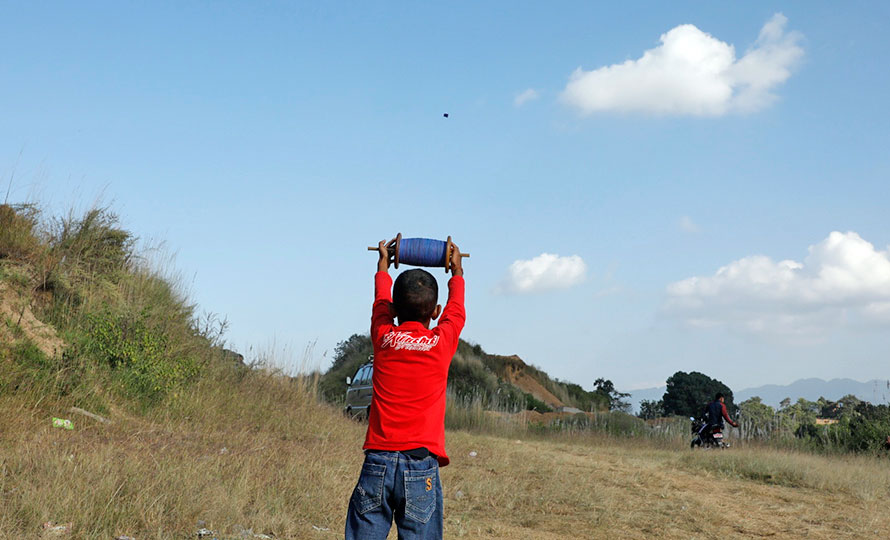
{"points": [[421, 252]]}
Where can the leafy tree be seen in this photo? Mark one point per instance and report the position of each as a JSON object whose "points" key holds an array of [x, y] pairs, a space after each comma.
{"points": [[756, 410], [615, 399], [688, 393], [807, 430], [756, 416], [785, 403], [348, 356], [848, 404], [869, 427], [802, 412], [650, 409]]}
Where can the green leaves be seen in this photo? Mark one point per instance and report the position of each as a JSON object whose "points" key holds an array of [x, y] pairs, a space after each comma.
{"points": [[139, 352], [687, 394]]}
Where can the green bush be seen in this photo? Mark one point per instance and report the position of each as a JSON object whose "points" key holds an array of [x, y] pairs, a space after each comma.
{"points": [[138, 353], [534, 404]]}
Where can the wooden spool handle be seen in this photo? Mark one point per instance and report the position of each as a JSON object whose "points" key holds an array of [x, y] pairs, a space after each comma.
{"points": [[394, 244]]}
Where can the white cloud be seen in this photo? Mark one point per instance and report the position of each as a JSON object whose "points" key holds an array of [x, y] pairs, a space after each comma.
{"points": [[524, 97], [544, 272], [691, 73], [844, 281], [687, 225]]}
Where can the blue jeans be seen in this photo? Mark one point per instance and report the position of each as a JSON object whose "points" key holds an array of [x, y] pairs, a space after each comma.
{"points": [[393, 485]]}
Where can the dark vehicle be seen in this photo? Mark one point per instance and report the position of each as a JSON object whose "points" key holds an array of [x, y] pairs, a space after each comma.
{"points": [[359, 390], [705, 435]]}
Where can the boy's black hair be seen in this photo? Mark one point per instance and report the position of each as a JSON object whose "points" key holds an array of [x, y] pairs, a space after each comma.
{"points": [[414, 295], [718, 396]]}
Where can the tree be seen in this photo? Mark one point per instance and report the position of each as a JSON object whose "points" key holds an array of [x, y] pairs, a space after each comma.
{"points": [[756, 410], [614, 398], [348, 356], [801, 412], [848, 404], [757, 418], [688, 393], [650, 409]]}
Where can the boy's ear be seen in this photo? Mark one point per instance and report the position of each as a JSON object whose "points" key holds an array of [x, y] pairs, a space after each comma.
{"points": [[436, 312], [392, 311]]}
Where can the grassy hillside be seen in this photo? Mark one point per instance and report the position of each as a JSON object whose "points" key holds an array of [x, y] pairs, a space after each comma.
{"points": [[185, 438], [109, 325]]}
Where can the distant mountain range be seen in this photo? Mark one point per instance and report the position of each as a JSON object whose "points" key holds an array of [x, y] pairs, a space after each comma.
{"points": [[874, 391]]}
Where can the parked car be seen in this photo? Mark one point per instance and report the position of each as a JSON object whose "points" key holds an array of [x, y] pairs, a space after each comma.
{"points": [[359, 390]]}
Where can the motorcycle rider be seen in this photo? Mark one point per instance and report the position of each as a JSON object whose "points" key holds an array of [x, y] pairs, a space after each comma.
{"points": [[716, 412]]}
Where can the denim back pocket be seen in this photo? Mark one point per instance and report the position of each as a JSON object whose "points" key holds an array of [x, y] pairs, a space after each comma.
{"points": [[421, 488], [368, 493]]}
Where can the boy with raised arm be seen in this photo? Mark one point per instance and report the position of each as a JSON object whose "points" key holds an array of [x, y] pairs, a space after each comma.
{"points": [[405, 443]]}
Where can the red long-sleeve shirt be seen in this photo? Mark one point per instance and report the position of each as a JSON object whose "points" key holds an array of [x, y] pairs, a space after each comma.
{"points": [[411, 373]]}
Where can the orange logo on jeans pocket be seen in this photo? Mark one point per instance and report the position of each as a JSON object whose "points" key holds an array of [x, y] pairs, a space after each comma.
{"points": [[429, 484]]}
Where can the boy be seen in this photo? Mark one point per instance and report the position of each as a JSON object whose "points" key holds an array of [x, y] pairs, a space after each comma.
{"points": [[405, 442]]}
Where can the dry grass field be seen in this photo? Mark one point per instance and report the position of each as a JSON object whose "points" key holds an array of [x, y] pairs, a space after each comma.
{"points": [[256, 452]]}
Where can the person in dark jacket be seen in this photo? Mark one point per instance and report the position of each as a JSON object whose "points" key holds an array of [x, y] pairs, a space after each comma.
{"points": [[716, 412]]}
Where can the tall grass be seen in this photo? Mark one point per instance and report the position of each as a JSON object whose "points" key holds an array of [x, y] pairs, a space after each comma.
{"points": [[865, 477], [247, 448]]}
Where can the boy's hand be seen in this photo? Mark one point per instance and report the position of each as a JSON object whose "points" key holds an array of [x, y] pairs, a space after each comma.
{"points": [[457, 268], [383, 261]]}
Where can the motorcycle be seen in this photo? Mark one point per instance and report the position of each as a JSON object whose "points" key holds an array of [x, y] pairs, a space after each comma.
{"points": [[706, 436]]}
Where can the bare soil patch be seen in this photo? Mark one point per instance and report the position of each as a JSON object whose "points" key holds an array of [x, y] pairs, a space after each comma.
{"points": [[16, 311], [516, 375]]}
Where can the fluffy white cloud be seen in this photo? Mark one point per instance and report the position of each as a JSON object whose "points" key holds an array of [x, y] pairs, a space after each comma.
{"points": [[544, 272], [843, 280], [691, 73], [524, 97]]}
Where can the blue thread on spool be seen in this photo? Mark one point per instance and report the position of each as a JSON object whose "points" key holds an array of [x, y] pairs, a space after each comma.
{"points": [[423, 252], [420, 252]]}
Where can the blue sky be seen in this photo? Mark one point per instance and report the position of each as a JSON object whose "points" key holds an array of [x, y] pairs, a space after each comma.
{"points": [[267, 144]]}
